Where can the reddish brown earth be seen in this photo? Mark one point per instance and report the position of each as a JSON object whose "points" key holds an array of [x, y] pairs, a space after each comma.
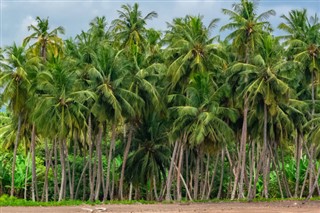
{"points": [[223, 207]]}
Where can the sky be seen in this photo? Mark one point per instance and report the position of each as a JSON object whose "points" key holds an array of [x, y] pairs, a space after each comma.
{"points": [[75, 15]]}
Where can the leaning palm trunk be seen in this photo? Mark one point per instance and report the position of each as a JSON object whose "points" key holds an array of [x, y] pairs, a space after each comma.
{"points": [[15, 155], [315, 184], [125, 156], [169, 178], [179, 172]]}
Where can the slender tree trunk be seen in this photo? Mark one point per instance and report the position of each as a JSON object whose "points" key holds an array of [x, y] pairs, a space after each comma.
{"points": [[179, 196], [299, 142], [75, 152], [262, 158], [314, 185], [222, 174], [252, 166], [56, 186], [278, 171], [112, 142], [48, 165], [26, 179], [312, 147], [91, 172], [15, 155], [266, 157], [63, 171], [33, 157], [212, 177], [185, 184], [68, 169], [81, 178], [125, 156], [99, 170], [130, 191], [206, 178], [169, 179], [242, 160], [196, 175]]}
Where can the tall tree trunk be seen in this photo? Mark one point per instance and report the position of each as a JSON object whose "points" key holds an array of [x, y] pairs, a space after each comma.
{"points": [[252, 166], [33, 157], [75, 152], [112, 144], [262, 156], [242, 160], [314, 185], [26, 175], [91, 172], [206, 178], [212, 177], [99, 169], [124, 161], [266, 156], [169, 178], [48, 165], [15, 155], [299, 142], [221, 175], [312, 147], [196, 174], [63, 171], [56, 186], [179, 172], [130, 191], [81, 178]]}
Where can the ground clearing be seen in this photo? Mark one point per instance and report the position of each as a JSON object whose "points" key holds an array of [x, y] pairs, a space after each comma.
{"points": [[223, 207]]}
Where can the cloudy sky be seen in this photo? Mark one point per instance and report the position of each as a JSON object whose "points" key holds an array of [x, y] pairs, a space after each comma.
{"points": [[75, 15]]}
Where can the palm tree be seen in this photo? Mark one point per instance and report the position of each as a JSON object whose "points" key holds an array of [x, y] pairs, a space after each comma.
{"points": [[114, 100], [149, 158], [190, 50], [202, 118], [248, 29], [59, 101], [46, 40], [16, 86], [303, 40], [130, 29], [265, 82]]}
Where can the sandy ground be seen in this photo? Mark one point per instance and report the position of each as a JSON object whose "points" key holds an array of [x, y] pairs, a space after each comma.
{"points": [[234, 207]]}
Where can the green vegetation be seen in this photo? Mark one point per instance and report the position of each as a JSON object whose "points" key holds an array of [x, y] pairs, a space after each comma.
{"points": [[124, 113]]}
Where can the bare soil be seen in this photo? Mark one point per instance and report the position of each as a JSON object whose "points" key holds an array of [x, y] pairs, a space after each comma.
{"points": [[222, 207]]}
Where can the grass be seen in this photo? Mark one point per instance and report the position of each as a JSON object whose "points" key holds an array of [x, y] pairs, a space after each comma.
{"points": [[5, 200]]}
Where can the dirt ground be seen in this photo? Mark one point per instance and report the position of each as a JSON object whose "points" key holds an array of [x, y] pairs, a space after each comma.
{"points": [[222, 207]]}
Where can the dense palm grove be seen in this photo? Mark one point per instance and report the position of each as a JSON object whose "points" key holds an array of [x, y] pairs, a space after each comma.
{"points": [[122, 111]]}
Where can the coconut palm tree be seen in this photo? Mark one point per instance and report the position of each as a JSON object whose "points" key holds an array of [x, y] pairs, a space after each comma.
{"points": [[202, 118], [304, 42], [247, 30], [46, 40], [14, 80], [265, 82], [130, 28], [59, 100], [190, 50]]}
